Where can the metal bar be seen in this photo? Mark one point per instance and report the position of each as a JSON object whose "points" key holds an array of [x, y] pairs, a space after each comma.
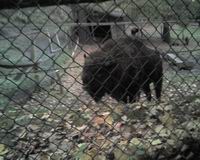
{"points": [[13, 4]]}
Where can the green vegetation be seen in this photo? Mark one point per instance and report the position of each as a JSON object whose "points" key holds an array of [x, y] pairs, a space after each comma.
{"points": [[30, 45], [189, 31], [157, 9], [44, 16]]}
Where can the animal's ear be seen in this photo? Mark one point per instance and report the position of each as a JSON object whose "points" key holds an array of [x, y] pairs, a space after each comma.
{"points": [[84, 56]]}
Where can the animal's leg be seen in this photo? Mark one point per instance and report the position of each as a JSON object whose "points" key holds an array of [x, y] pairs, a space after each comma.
{"points": [[97, 96], [158, 89], [138, 96], [147, 91]]}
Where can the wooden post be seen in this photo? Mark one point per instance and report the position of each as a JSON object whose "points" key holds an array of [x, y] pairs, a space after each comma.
{"points": [[166, 32], [60, 81], [80, 16], [53, 51], [13, 4]]}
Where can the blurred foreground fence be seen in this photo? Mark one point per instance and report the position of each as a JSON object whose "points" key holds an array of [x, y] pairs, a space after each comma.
{"points": [[44, 112]]}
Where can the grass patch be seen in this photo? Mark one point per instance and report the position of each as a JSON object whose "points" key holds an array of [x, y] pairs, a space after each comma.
{"points": [[191, 32]]}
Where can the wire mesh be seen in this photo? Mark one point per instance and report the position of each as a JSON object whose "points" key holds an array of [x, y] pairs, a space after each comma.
{"points": [[77, 81]]}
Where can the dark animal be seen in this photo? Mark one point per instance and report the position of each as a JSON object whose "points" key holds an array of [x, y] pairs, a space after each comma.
{"points": [[121, 69]]}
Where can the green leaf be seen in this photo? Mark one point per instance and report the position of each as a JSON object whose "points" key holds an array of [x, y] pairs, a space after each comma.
{"points": [[80, 155]]}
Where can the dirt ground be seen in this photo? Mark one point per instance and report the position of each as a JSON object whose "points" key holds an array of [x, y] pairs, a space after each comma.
{"points": [[55, 123], [72, 78]]}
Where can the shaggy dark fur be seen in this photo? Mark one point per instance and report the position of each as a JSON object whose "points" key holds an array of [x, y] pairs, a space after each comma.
{"points": [[121, 69]]}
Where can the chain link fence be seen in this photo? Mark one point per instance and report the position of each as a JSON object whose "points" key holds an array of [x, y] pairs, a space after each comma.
{"points": [[72, 79]]}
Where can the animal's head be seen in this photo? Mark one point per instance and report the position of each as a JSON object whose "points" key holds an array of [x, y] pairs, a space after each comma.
{"points": [[96, 76]]}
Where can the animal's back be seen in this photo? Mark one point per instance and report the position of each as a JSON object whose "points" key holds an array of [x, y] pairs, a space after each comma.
{"points": [[134, 50]]}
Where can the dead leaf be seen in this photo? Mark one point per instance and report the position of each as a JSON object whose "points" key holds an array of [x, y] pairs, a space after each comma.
{"points": [[165, 133], [100, 137], [168, 107], [123, 142], [156, 142], [192, 125], [45, 156], [167, 120], [33, 127], [81, 151], [22, 133], [162, 131], [171, 142], [179, 133], [89, 134], [116, 139], [119, 109], [105, 113], [24, 119], [46, 116], [123, 145], [135, 141], [98, 120], [126, 132], [124, 118], [81, 128], [140, 153], [118, 126], [3, 150], [109, 120], [100, 157], [159, 128], [92, 152], [58, 155], [106, 144], [85, 157], [104, 118], [120, 155]]}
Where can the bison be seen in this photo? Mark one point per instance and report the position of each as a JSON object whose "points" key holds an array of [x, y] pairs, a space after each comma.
{"points": [[121, 69]]}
